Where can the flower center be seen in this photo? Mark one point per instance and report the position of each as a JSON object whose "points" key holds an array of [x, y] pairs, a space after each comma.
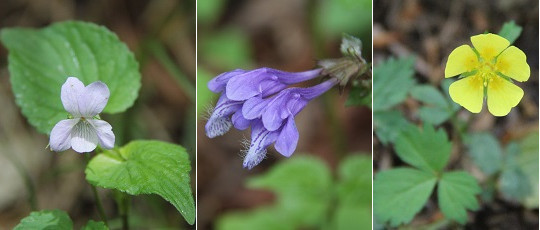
{"points": [[486, 71]]}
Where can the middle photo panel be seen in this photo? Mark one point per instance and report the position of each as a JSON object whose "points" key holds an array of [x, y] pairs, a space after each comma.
{"points": [[284, 114]]}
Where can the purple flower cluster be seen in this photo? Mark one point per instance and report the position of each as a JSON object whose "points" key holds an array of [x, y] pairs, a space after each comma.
{"points": [[262, 99]]}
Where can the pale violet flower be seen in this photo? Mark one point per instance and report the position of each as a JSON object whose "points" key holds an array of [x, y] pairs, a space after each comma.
{"points": [[83, 131]]}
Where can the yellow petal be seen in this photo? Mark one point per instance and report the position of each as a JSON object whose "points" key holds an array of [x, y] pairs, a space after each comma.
{"points": [[489, 45], [469, 93], [462, 59], [502, 96], [513, 63]]}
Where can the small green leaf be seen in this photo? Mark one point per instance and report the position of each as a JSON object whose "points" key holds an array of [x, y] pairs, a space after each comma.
{"points": [[41, 60], [389, 124], [456, 194], [437, 107], [147, 167], [302, 186], [510, 31], [46, 220], [359, 96], [400, 193], [426, 148], [93, 225], [392, 80], [485, 151], [429, 95]]}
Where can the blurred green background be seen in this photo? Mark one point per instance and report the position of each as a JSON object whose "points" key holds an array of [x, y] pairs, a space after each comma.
{"points": [[288, 35]]}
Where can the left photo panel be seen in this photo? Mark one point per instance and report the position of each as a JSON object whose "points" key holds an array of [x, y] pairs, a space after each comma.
{"points": [[97, 126]]}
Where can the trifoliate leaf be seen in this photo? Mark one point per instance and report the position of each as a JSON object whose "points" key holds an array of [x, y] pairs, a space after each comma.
{"points": [[147, 167], [392, 81], [41, 60], [400, 193], [437, 108], [424, 148], [389, 124], [46, 220], [510, 31], [456, 193], [485, 151], [302, 186], [93, 225]]}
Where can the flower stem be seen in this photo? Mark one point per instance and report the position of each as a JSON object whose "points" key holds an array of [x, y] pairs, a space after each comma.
{"points": [[101, 211], [122, 200]]}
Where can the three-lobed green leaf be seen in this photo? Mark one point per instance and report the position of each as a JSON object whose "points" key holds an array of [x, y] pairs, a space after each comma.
{"points": [[392, 82], [400, 193], [457, 193], [389, 124], [41, 60], [147, 167], [426, 148], [46, 219]]}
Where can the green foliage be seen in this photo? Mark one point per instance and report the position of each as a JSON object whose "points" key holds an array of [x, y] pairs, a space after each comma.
{"points": [[510, 31], [226, 49], [400, 193], [392, 81], [95, 225], [146, 167], [456, 193], [305, 194], [359, 96], [519, 177], [485, 151], [339, 16], [46, 220], [209, 10], [426, 148], [437, 108], [388, 125], [41, 60]]}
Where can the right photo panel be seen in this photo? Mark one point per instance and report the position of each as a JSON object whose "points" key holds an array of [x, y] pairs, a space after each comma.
{"points": [[455, 109]]}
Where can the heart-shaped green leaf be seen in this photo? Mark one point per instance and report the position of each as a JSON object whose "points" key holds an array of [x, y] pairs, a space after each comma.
{"points": [[41, 60], [147, 167]]}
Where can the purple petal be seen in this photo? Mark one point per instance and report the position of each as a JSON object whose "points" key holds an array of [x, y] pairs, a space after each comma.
{"points": [[220, 122], [271, 117], [293, 78], [287, 139], [104, 133], [244, 86], [260, 140], [93, 99], [254, 107], [218, 83], [239, 121], [69, 94], [60, 138], [83, 137]]}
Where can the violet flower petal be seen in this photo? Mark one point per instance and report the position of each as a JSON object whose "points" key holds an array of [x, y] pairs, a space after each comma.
{"points": [[239, 121], [220, 122], [69, 95], [260, 140], [83, 137], [93, 99], [254, 107], [218, 83], [60, 138], [104, 133], [288, 138]]}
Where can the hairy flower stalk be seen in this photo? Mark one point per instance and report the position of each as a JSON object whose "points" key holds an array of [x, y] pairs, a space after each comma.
{"points": [[263, 100], [83, 130]]}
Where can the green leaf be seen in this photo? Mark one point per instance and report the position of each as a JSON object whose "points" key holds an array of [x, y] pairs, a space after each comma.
{"points": [[41, 60], [456, 193], [263, 219], [437, 108], [354, 193], [392, 80], [146, 167], [46, 220], [302, 186], [485, 151], [510, 31], [388, 125], [400, 193], [426, 148], [93, 225], [359, 96], [226, 49]]}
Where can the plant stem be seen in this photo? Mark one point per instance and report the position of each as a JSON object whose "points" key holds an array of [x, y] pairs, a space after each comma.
{"points": [[122, 200], [96, 197]]}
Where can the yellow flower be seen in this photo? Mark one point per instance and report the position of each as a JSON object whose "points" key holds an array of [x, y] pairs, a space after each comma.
{"points": [[487, 70]]}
